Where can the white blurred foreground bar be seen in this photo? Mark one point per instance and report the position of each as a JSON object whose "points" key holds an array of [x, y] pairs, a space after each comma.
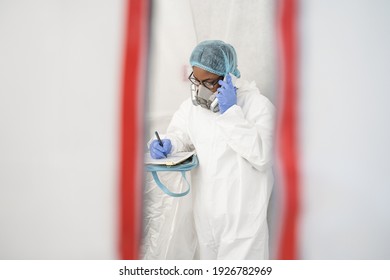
{"points": [[301, 270]]}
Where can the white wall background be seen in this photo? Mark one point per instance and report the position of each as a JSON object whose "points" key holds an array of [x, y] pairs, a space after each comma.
{"points": [[345, 133], [60, 66]]}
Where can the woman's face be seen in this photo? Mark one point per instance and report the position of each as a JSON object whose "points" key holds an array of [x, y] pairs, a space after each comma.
{"points": [[207, 78]]}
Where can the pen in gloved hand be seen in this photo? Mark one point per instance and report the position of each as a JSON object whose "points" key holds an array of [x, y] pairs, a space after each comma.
{"points": [[159, 141]]}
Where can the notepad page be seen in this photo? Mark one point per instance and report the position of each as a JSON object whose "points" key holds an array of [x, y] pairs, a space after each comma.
{"points": [[170, 160]]}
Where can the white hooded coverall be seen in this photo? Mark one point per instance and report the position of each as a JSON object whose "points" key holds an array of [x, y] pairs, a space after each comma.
{"points": [[233, 182]]}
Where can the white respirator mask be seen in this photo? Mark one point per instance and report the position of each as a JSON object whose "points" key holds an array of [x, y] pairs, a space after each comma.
{"points": [[200, 95]]}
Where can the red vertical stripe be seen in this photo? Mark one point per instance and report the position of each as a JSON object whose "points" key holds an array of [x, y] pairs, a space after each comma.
{"points": [[287, 133], [132, 128]]}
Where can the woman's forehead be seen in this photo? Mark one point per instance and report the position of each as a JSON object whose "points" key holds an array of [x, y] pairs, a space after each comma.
{"points": [[202, 74]]}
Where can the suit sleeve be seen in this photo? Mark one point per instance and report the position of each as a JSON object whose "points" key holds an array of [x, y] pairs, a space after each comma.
{"points": [[251, 134]]}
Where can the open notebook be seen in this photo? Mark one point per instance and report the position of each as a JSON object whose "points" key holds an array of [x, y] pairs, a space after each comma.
{"points": [[170, 160]]}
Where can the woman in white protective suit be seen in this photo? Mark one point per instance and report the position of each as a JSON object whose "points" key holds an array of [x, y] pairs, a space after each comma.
{"points": [[233, 183]]}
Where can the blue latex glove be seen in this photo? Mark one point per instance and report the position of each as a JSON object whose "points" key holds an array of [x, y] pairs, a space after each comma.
{"points": [[156, 151], [227, 96]]}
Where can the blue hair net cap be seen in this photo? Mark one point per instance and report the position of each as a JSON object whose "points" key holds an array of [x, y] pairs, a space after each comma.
{"points": [[215, 56]]}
